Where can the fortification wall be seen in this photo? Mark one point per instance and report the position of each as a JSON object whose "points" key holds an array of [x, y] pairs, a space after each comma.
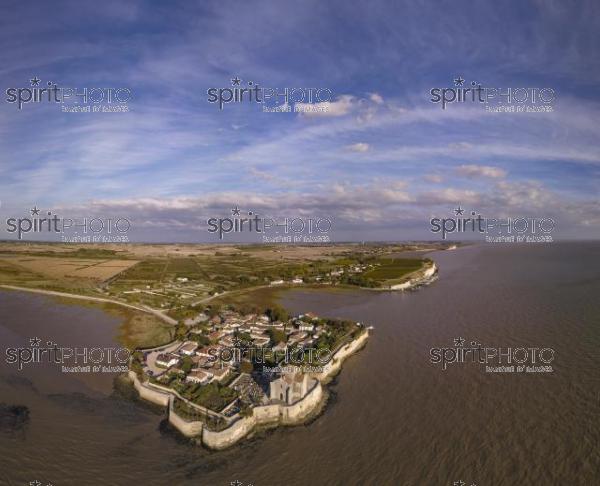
{"points": [[152, 395], [187, 428]]}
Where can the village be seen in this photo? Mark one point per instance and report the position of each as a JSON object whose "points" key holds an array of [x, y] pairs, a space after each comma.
{"points": [[223, 365]]}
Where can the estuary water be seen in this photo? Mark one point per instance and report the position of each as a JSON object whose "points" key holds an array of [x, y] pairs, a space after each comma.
{"points": [[393, 416]]}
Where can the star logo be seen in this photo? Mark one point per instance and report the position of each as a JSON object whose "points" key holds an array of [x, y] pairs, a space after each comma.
{"points": [[459, 211], [459, 81], [35, 81], [235, 211], [35, 342], [35, 211], [459, 341], [460, 482], [236, 483], [235, 81], [35, 482]]}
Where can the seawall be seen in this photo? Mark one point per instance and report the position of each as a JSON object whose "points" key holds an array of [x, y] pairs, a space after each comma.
{"points": [[266, 415]]}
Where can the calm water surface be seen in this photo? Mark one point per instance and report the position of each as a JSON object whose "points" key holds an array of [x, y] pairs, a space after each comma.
{"points": [[393, 417]]}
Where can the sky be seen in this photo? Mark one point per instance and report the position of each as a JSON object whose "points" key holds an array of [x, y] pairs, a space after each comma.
{"points": [[380, 162]]}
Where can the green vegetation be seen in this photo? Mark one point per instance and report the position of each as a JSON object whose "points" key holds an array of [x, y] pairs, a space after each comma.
{"points": [[213, 396], [392, 270]]}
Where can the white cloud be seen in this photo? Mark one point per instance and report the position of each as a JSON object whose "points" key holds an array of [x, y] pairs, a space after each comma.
{"points": [[342, 106], [358, 147], [471, 170], [376, 98]]}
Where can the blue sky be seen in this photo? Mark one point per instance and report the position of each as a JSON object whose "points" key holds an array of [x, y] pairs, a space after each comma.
{"points": [[380, 162]]}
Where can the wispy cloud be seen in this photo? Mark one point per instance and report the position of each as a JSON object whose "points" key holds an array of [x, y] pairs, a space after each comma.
{"points": [[471, 170]]}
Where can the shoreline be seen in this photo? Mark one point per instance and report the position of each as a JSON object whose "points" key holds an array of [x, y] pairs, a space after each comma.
{"points": [[90, 298], [266, 416]]}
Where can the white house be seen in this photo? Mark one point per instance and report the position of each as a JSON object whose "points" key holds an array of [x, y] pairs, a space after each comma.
{"points": [[188, 348], [167, 360], [198, 376]]}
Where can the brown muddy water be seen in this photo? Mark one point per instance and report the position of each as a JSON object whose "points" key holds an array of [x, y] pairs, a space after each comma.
{"points": [[394, 418]]}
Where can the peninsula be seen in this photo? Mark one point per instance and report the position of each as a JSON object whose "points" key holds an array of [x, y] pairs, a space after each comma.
{"points": [[209, 340]]}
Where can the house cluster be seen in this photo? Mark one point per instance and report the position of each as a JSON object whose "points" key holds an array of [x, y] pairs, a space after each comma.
{"points": [[337, 272], [294, 281], [203, 370], [200, 364], [224, 330]]}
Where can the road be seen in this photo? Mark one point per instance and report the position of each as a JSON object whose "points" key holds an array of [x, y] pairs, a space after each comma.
{"points": [[147, 310]]}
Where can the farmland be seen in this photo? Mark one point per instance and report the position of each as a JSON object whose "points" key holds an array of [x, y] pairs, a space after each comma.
{"points": [[70, 268], [393, 270], [178, 281]]}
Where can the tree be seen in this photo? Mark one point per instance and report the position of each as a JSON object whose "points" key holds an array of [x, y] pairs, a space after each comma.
{"points": [[277, 313], [277, 336], [187, 364], [180, 331]]}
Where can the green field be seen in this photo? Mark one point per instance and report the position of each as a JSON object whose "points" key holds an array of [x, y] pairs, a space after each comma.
{"points": [[391, 270]]}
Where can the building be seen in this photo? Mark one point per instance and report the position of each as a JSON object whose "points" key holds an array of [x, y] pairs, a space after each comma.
{"points": [[188, 348], [219, 374], [289, 388], [261, 341], [201, 361], [296, 337], [166, 360], [210, 351], [198, 376]]}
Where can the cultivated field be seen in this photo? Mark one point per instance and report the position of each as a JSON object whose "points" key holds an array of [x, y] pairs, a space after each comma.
{"points": [[77, 268]]}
